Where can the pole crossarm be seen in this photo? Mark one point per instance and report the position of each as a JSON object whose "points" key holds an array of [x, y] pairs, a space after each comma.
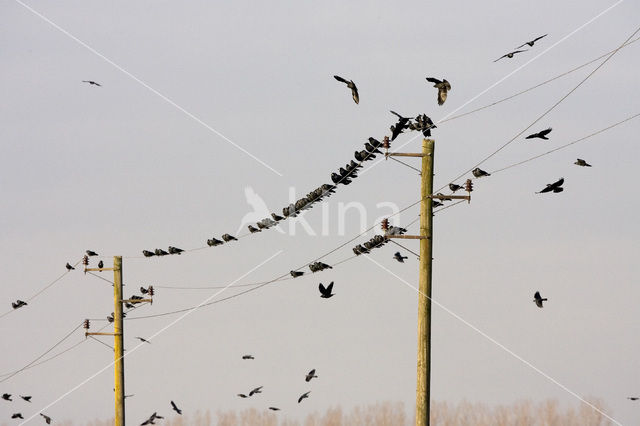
{"points": [[408, 237], [102, 334], [98, 269], [451, 197], [134, 301], [406, 154]]}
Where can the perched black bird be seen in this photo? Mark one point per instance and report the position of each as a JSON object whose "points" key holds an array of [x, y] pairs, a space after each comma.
{"points": [[442, 86], [351, 85], [241, 395], [436, 203], [510, 54], [374, 142], [47, 419], [336, 178], [555, 187], [296, 274], [310, 375], [26, 397], [91, 253], [160, 252], [478, 172], [400, 258], [541, 134], [143, 340], [228, 238], [276, 217], [303, 396], [128, 305], [214, 242], [175, 250], [274, 409], [18, 304], [443, 197], [538, 299], [7, 397], [247, 357], [424, 124], [256, 390], [175, 408], [371, 148], [253, 229], [110, 318], [582, 163], [69, 267], [403, 123], [148, 253], [358, 156], [17, 416], [453, 187], [143, 290], [360, 249], [532, 42], [101, 264], [325, 292]]}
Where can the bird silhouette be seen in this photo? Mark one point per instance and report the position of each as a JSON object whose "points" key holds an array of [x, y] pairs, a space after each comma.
{"points": [[453, 187], [47, 419], [436, 203], [175, 408], [532, 42], [276, 217], [150, 420], [310, 375], [160, 252], [478, 172], [303, 396], [143, 340], [91, 253], [296, 274], [7, 397], [442, 86], [228, 238], [148, 253], [325, 292], [582, 163], [256, 390], [633, 398], [538, 299], [371, 148], [400, 126], [443, 197], [17, 416], [247, 357], [18, 304], [510, 54], [541, 134], [92, 83], [143, 290], [174, 250], [26, 397], [100, 264], [274, 409], [241, 395], [555, 187], [253, 229], [400, 258], [214, 242], [351, 85], [69, 267]]}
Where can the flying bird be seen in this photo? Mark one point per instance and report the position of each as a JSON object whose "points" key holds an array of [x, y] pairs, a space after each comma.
{"points": [[214, 242], [442, 86], [633, 398], [532, 42], [247, 357], [91, 253], [150, 420], [555, 187], [541, 134], [143, 290], [400, 258], [228, 238], [256, 390], [303, 396], [241, 395], [403, 123], [325, 292], [510, 54], [351, 85], [274, 409], [47, 419], [310, 375], [143, 340], [478, 172], [148, 253], [175, 408], [175, 250], [7, 397], [296, 274], [18, 304], [101, 264], [453, 187], [69, 267], [17, 416], [582, 163], [92, 83], [26, 398], [538, 299]]}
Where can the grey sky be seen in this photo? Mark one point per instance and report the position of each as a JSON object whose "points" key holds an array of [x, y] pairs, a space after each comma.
{"points": [[117, 169]]}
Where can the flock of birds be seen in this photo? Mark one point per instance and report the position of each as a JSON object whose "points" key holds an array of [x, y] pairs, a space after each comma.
{"points": [[7, 397]]}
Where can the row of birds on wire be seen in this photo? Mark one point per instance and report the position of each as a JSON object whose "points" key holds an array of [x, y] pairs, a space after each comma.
{"points": [[18, 415]]}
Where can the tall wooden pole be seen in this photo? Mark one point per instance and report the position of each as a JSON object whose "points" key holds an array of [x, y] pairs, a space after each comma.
{"points": [[118, 330], [423, 392]]}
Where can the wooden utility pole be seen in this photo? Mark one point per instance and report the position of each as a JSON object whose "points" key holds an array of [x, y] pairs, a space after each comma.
{"points": [[423, 391], [118, 331]]}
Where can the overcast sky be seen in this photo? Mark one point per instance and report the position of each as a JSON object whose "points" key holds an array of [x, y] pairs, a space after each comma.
{"points": [[201, 100]]}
